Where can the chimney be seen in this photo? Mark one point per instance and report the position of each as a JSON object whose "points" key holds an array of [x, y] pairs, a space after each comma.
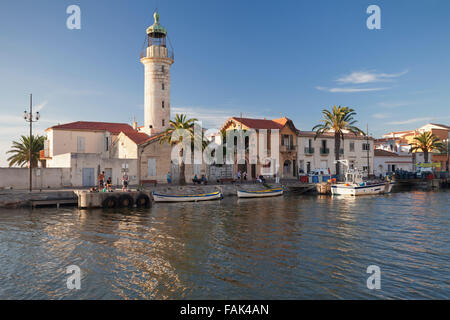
{"points": [[134, 125]]}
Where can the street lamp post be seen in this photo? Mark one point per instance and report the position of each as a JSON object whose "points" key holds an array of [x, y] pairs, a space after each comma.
{"points": [[446, 149], [28, 116]]}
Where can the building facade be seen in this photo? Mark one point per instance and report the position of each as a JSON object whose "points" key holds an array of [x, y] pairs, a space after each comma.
{"points": [[387, 162], [439, 158], [280, 156], [318, 152], [89, 148]]}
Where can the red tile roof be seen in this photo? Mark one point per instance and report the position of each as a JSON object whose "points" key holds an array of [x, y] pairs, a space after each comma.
{"points": [[258, 123], [384, 153], [137, 137], [440, 125], [331, 135], [114, 128]]}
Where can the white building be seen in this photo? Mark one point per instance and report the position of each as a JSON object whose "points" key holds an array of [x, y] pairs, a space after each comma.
{"points": [[386, 162], [319, 153], [89, 148]]}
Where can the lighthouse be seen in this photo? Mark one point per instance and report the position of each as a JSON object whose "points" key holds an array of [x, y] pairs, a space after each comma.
{"points": [[157, 59]]}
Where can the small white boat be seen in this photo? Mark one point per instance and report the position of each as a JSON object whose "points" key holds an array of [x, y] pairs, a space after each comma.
{"points": [[186, 197], [361, 189], [260, 193], [355, 186]]}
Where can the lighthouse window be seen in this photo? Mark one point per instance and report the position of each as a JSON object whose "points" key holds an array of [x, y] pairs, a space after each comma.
{"points": [[162, 104], [162, 86], [162, 68], [163, 124]]}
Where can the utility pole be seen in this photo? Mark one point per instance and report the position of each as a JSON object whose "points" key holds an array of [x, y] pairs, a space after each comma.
{"points": [[28, 116], [368, 151]]}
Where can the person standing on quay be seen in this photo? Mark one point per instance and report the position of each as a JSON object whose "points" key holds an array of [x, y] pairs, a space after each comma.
{"points": [[101, 180], [124, 182], [169, 178]]}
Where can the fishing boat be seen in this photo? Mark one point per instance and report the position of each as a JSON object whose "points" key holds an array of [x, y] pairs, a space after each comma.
{"points": [[355, 186], [186, 197], [260, 193]]}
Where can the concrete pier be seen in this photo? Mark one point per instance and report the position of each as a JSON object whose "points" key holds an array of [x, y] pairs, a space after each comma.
{"points": [[108, 200]]}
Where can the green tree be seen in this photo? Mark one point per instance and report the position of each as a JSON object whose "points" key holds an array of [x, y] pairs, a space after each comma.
{"points": [[426, 142], [180, 128], [337, 120], [20, 151]]}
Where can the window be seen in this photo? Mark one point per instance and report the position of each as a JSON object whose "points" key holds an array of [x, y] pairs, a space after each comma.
{"points": [[163, 123], [81, 141], [151, 163], [162, 69], [162, 86], [107, 143], [162, 104], [366, 146], [365, 168], [324, 144], [310, 143], [352, 147]]}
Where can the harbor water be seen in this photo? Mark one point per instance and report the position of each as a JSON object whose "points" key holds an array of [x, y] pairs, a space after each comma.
{"points": [[289, 247]]}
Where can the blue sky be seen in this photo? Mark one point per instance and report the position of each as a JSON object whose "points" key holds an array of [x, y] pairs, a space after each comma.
{"points": [[261, 58]]}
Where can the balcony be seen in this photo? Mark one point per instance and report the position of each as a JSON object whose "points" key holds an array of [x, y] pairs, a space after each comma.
{"points": [[309, 150], [324, 151], [288, 148]]}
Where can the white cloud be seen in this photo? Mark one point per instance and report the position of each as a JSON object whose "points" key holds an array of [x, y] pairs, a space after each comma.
{"points": [[413, 120], [381, 115], [215, 118], [208, 117], [349, 90], [41, 106], [361, 77], [392, 104]]}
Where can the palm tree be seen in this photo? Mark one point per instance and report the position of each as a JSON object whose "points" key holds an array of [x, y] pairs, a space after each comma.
{"points": [[426, 142], [181, 125], [20, 151], [337, 120]]}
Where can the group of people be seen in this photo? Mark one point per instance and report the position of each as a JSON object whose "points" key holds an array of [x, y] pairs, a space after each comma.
{"points": [[202, 180], [241, 176], [106, 186]]}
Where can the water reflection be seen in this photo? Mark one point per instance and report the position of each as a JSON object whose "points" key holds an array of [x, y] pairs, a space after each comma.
{"points": [[287, 247]]}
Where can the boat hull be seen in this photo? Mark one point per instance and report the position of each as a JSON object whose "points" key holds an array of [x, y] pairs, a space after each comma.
{"points": [[260, 194], [352, 190], [186, 198]]}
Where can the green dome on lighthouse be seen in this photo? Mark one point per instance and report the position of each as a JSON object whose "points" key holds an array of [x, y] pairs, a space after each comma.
{"points": [[156, 30]]}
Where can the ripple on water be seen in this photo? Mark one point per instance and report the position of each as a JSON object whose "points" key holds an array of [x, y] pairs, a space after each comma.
{"points": [[289, 247]]}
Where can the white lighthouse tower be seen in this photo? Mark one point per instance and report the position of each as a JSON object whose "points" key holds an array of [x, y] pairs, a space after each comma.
{"points": [[157, 59]]}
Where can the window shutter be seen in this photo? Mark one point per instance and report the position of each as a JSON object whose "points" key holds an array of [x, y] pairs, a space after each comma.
{"points": [[151, 162]]}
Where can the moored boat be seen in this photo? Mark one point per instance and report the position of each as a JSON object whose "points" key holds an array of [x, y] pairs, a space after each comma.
{"points": [[186, 197], [355, 186], [361, 189], [260, 193]]}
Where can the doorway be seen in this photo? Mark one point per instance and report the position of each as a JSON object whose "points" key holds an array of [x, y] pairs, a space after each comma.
{"points": [[88, 178]]}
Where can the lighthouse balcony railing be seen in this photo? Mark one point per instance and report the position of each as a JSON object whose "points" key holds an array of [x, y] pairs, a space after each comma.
{"points": [[170, 54]]}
